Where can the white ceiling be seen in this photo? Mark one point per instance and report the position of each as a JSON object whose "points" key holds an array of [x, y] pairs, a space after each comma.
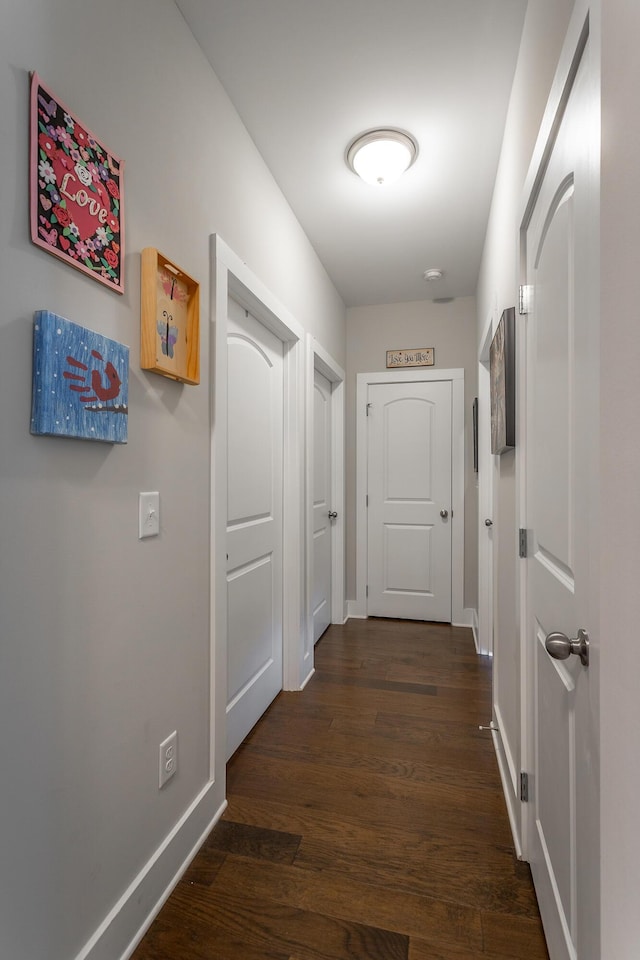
{"points": [[307, 76]]}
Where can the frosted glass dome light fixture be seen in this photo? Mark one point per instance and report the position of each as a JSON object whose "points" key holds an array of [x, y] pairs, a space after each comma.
{"points": [[381, 156]]}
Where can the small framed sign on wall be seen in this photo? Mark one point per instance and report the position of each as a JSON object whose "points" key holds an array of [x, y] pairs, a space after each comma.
{"points": [[414, 357]]}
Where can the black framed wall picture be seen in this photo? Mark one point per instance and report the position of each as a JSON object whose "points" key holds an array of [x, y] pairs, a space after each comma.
{"points": [[502, 375]]}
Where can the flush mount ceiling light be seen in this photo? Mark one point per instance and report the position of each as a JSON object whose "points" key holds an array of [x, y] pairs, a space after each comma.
{"points": [[382, 156], [433, 273]]}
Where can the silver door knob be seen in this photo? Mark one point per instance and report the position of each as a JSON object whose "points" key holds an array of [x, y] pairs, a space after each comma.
{"points": [[444, 514], [560, 647], [333, 514], [488, 522]]}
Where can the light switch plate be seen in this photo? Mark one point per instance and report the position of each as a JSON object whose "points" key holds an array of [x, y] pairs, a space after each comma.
{"points": [[148, 515]]}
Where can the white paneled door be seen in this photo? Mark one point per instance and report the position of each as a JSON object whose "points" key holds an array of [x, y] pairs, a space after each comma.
{"points": [[409, 500], [562, 461], [321, 590], [254, 522]]}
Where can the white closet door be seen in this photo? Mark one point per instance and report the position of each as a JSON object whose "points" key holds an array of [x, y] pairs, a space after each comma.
{"points": [[321, 596], [409, 491], [254, 522], [562, 460]]}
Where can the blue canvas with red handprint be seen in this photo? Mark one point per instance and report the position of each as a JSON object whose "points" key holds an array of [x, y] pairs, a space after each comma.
{"points": [[80, 381]]}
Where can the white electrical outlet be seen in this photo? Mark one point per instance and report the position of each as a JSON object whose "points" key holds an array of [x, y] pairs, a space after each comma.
{"points": [[168, 758]]}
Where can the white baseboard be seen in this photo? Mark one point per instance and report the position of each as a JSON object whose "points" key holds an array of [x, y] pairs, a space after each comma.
{"points": [[475, 628], [511, 797], [126, 924], [345, 614], [468, 618], [356, 610], [508, 752], [307, 678]]}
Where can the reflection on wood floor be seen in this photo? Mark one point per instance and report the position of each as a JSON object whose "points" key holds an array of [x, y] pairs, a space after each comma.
{"points": [[366, 819]]}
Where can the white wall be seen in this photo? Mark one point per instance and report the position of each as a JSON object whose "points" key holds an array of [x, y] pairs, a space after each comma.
{"points": [[543, 34], [619, 570], [104, 639], [450, 329]]}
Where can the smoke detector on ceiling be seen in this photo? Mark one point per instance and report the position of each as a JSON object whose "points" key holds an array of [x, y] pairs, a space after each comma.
{"points": [[433, 273]]}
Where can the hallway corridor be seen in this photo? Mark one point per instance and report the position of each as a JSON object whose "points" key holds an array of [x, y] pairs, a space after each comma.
{"points": [[366, 819]]}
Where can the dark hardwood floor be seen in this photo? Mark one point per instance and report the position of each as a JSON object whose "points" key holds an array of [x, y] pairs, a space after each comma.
{"points": [[365, 821]]}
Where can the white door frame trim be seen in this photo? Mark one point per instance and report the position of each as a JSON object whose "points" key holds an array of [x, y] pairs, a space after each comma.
{"points": [[230, 276], [509, 774], [319, 359], [417, 375]]}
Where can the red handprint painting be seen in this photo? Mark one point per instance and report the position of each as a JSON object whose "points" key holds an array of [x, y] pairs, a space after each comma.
{"points": [[104, 385], [80, 381]]}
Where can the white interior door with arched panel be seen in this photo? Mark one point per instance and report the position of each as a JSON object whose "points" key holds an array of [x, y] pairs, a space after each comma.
{"points": [[406, 380], [558, 470], [257, 496], [323, 512], [325, 495], [409, 500], [255, 389]]}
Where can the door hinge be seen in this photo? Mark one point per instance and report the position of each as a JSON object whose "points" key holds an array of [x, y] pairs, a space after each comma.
{"points": [[369, 405], [522, 542], [367, 591], [525, 299], [524, 786], [367, 499]]}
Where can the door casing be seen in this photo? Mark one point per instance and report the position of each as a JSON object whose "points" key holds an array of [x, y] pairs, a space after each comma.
{"points": [[358, 608], [486, 508], [506, 740]]}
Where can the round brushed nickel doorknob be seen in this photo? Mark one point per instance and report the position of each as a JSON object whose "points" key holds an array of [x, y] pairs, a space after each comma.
{"points": [[444, 514], [488, 522], [333, 514], [560, 647]]}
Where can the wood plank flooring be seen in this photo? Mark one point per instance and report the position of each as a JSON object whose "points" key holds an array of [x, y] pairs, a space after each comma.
{"points": [[366, 819]]}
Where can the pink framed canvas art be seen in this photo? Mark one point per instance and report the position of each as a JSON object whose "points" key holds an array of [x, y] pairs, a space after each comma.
{"points": [[77, 206]]}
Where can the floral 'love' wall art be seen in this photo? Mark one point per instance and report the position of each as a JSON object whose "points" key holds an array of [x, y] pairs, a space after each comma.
{"points": [[77, 210], [80, 381]]}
